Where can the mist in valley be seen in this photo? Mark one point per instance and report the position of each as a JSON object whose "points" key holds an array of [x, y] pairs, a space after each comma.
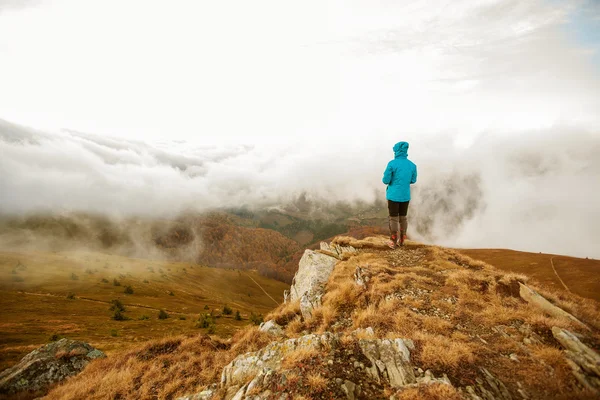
{"points": [[536, 193]]}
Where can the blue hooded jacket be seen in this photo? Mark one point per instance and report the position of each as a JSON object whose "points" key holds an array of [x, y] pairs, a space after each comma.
{"points": [[400, 174]]}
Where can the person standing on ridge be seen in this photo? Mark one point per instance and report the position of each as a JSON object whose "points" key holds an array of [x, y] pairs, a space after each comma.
{"points": [[399, 174]]}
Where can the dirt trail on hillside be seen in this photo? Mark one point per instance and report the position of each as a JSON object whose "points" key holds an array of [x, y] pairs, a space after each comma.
{"points": [[558, 276], [101, 301]]}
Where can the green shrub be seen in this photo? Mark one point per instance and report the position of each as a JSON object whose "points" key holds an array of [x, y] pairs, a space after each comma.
{"points": [[211, 329], [89, 271], [256, 319], [118, 316], [73, 276], [114, 333], [205, 321], [227, 310], [171, 293], [55, 337], [117, 305], [104, 280], [71, 296], [144, 317], [237, 317], [182, 318], [162, 314], [146, 281], [206, 307], [116, 282], [128, 290]]}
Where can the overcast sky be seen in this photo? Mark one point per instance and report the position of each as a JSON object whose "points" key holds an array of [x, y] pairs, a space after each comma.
{"points": [[153, 107], [216, 71]]}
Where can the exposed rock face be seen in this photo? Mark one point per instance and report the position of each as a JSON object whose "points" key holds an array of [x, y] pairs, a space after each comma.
{"points": [[309, 283], [337, 251], [584, 361], [271, 327], [250, 375], [489, 389], [533, 297], [248, 365], [390, 360], [49, 364], [203, 395]]}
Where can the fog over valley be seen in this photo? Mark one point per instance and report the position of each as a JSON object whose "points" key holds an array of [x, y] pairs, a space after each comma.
{"points": [[537, 192], [181, 109]]}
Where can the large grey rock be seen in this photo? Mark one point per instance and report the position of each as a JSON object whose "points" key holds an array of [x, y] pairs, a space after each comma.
{"points": [[247, 366], [489, 388], [47, 365], [584, 361], [533, 297], [310, 280], [271, 327], [206, 394], [390, 360]]}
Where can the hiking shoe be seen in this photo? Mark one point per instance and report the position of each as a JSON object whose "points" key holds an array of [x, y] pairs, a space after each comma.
{"points": [[401, 240], [392, 242]]}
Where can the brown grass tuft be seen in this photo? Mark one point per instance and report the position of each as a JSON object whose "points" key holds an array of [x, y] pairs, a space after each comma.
{"points": [[439, 353], [285, 313], [299, 356], [250, 339], [316, 382], [430, 392]]}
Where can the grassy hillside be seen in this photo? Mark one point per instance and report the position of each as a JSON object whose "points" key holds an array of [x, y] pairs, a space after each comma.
{"points": [[580, 275], [69, 294], [462, 315]]}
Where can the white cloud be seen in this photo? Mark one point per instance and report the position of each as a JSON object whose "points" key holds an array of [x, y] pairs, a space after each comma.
{"points": [[536, 192], [252, 102]]}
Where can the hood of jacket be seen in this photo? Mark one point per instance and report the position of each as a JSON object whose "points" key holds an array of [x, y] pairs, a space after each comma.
{"points": [[401, 149]]}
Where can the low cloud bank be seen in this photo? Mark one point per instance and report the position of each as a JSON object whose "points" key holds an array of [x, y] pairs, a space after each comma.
{"points": [[536, 192]]}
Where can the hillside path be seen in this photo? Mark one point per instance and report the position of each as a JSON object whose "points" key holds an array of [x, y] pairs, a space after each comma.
{"points": [[556, 273]]}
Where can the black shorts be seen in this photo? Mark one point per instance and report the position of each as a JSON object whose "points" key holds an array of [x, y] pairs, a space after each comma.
{"points": [[398, 208]]}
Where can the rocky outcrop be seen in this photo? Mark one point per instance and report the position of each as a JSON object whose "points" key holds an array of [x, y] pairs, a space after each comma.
{"points": [[47, 365], [386, 362], [584, 361], [309, 282], [489, 388], [337, 251], [533, 297], [246, 366], [390, 360]]}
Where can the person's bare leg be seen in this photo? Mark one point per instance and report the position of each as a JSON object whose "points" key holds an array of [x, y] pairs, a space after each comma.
{"points": [[394, 225], [403, 229]]}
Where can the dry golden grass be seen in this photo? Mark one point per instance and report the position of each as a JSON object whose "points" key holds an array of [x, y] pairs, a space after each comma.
{"points": [[294, 328], [162, 369], [316, 382], [285, 313], [437, 352], [299, 356], [430, 392], [460, 307], [376, 242], [250, 339]]}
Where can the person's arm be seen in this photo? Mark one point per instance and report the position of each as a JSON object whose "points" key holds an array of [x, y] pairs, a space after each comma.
{"points": [[413, 179], [387, 175]]}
